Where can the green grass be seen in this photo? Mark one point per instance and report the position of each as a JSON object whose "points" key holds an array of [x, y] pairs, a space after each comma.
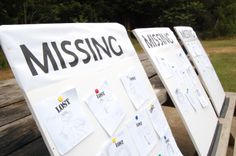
{"points": [[225, 66], [221, 43], [136, 45], [3, 61]]}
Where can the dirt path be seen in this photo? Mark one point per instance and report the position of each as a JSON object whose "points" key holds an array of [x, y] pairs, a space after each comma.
{"points": [[221, 50]]}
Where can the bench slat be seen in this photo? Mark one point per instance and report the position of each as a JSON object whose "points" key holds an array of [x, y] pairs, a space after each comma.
{"points": [[19, 134], [15, 135], [13, 112], [9, 93], [35, 148], [150, 71]]}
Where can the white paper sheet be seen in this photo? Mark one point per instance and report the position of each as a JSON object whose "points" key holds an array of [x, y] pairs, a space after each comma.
{"points": [[192, 99], [170, 147], [106, 108], [182, 59], [120, 145], [142, 133], [201, 99], [182, 100], [196, 49], [64, 120], [185, 79], [192, 77], [157, 117], [165, 68], [135, 88]]}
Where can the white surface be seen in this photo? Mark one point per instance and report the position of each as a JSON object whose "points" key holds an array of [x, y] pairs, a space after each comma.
{"points": [[84, 77], [169, 146], [178, 76], [67, 126], [159, 122], [106, 108], [135, 88], [157, 118], [142, 133], [203, 65], [120, 145]]}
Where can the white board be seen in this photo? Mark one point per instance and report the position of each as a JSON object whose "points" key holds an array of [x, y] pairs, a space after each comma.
{"points": [[203, 65], [73, 77], [182, 84]]}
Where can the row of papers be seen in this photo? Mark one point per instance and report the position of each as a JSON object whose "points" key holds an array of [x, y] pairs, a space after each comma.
{"points": [[203, 63], [186, 91], [138, 137], [196, 49], [68, 125], [202, 59]]}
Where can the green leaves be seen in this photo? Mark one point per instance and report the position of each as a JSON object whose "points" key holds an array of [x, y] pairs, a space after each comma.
{"points": [[212, 17]]}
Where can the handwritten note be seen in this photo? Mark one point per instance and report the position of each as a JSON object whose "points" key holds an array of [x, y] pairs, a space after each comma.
{"points": [[157, 117], [169, 145], [64, 120], [135, 88], [142, 133], [106, 108], [120, 144], [165, 67]]}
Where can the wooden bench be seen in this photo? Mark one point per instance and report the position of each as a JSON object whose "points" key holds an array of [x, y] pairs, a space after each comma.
{"points": [[19, 135], [225, 136]]}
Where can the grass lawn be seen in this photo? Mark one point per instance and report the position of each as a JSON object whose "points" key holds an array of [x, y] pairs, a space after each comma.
{"points": [[223, 57], [221, 43], [225, 66]]}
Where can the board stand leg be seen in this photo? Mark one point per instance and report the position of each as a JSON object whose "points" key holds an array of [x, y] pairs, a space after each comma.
{"points": [[224, 108], [215, 141]]}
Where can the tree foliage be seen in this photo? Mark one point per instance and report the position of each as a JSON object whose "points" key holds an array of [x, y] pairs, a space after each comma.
{"points": [[211, 17]]}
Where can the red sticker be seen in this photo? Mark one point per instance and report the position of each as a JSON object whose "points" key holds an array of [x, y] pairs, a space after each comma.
{"points": [[96, 91]]}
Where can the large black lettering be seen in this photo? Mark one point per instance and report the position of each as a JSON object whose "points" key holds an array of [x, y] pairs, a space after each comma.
{"points": [[160, 39], [150, 37], [149, 42], [168, 39], [154, 36], [63, 47], [46, 55], [117, 53], [87, 59], [98, 45], [91, 49], [163, 39], [62, 61], [67, 100], [59, 108]]}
